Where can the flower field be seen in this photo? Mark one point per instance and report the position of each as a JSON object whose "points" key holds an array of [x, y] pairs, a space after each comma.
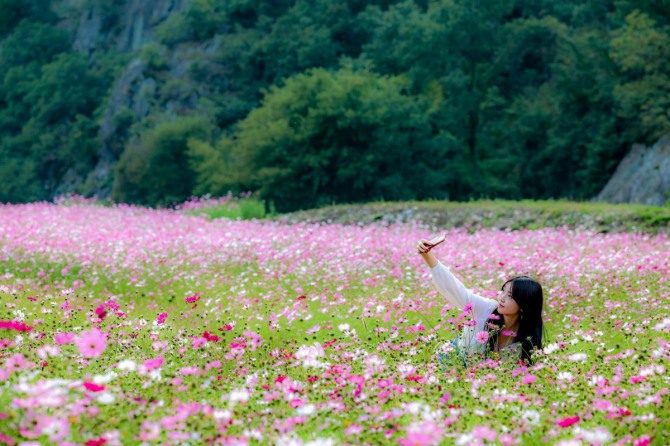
{"points": [[123, 325]]}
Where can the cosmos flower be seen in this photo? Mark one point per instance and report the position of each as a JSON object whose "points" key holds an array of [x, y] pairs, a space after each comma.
{"points": [[91, 343]]}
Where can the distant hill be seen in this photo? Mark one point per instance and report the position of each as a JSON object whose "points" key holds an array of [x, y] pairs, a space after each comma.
{"points": [[328, 101]]}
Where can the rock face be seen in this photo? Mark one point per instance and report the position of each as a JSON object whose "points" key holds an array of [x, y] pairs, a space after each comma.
{"points": [[133, 28], [643, 176], [135, 92]]}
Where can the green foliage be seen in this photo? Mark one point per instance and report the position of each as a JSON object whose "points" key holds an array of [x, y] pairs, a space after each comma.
{"points": [[507, 98], [11, 13], [325, 137], [154, 57], [245, 208], [50, 99], [640, 49], [199, 22], [155, 168]]}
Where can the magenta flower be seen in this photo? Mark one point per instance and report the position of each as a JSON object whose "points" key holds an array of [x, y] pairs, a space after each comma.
{"points": [[568, 421], [482, 337], [642, 441], [101, 312], [14, 325], [161, 318], [93, 387], [91, 343], [194, 298]]}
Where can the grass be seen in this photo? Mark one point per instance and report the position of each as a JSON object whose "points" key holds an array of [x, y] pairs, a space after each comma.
{"points": [[525, 214]]}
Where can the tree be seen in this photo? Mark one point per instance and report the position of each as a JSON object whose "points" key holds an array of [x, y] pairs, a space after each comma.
{"points": [[641, 50], [155, 168], [327, 137]]}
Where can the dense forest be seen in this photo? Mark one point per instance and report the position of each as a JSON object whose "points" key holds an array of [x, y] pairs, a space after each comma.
{"points": [[312, 102]]}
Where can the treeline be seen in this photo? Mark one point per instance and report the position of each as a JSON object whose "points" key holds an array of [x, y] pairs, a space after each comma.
{"points": [[326, 101]]}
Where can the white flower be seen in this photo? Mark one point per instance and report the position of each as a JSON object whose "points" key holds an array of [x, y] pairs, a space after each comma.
{"points": [[308, 355], [104, 379], [551, 348], [578, 357], [662, 325], [128, 365], [307, 409], [531, 416], [48, 351], [222, 414], [564, 376], [571, 442], [464, 439], [599, 435], [239, 395], [106, 398], [343, 327], [321, 442]]}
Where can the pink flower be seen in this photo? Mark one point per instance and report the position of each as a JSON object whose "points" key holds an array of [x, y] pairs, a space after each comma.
{"points": [[529, 379], [354, 429], [91, 343], [189, 370], [484, 433], [16, 362], [511, 334], [422, 433], [482, 337], [152, 364], [161, 318], [568, 421], [417, 439], [93, 387], [64, 338]]}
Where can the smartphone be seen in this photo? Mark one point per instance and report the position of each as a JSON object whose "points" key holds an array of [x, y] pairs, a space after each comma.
{"points": [[437, 240]]}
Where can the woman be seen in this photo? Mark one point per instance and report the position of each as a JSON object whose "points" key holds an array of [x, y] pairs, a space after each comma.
{"points": [[511, 325]]}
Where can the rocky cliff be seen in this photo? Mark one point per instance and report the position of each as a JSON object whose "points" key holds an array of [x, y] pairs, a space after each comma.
{"points": [[140, 89], [643, 176]]}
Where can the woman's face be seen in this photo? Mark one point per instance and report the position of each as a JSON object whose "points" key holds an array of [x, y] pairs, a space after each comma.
{"points": [[507, 305]]}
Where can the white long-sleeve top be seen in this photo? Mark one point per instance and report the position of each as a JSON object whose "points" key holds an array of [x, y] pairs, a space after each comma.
{"points": [[458, 295]]}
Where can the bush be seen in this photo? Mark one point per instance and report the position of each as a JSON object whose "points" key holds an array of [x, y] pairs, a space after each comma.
{"points": [[246, 207], [155, 169]]}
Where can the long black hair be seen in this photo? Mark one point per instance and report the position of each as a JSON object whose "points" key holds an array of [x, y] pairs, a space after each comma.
{"points": [[527, 293]]}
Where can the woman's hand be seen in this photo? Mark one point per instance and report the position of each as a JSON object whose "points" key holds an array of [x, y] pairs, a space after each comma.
{"points": [[424, 246]]}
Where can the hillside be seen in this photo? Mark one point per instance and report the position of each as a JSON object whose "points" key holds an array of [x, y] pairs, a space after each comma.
{"points": [[313, 102], [598, 217]]}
